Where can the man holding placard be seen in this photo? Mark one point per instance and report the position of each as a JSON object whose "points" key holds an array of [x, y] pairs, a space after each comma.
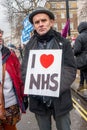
{"points": [[48, 70]]}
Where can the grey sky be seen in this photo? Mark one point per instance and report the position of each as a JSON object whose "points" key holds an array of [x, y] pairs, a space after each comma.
{"points": [[4, 25]]}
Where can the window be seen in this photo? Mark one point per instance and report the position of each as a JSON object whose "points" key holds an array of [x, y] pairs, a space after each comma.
{"points": [[63, 25], [71, 26], [56, 27], [53, 5], [62, 5], [55, 15], [62, 15], [71, 15], [70, 5]]}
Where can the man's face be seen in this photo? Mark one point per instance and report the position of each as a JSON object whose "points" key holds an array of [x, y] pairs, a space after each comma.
{"points": [[42, 23], [1, 40]]}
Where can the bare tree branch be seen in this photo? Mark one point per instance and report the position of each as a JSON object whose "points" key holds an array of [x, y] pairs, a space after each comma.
{"points": [[17, 11]]}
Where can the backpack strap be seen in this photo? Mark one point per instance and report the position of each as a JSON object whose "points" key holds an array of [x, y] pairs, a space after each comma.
{"points": [[3, 73], [2, 84]]}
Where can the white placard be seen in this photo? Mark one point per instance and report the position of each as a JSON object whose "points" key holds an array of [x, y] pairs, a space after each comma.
{"points": [[43, 72]]}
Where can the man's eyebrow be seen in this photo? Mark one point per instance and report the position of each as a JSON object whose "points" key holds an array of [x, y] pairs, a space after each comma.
{"points": [[44, 19]]}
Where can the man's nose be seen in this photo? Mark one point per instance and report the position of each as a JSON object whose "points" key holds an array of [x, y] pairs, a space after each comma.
{"points": [[40, 23]]}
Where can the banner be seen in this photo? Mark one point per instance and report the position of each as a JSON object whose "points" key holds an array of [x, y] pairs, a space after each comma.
{"points": [[27, 29]]}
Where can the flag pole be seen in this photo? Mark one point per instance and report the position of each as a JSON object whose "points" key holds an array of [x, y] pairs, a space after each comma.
{"points": [[67, 15]]}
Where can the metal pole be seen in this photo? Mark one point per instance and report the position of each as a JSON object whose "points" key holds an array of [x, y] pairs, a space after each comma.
{"points": [[67, 14]]}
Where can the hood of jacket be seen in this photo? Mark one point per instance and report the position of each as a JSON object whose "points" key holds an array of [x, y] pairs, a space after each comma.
{"points": [[82, 27]]}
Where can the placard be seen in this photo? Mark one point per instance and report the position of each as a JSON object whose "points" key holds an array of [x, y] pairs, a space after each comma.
{"points": [[43, 72]]}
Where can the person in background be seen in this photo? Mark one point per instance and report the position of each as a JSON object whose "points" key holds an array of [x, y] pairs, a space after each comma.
{"points": [[12, 47], [79, 48], [13, 88], [46, 38], [72, 42], [17, 50]]}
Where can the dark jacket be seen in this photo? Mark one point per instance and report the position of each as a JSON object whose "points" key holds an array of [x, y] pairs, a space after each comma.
{"points": [[62, 104], [81, 41]]}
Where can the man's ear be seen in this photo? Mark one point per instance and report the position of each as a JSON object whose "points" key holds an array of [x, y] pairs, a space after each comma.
{"points": [[52, 22]]}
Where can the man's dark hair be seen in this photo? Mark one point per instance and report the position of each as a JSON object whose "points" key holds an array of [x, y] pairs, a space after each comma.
{"points": [[1, 31]]}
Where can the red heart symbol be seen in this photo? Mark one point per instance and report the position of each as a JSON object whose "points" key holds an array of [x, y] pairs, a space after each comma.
{"points": [[46, 60]]}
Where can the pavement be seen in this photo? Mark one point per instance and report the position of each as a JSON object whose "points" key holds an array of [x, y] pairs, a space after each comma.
{"points": [[28, 122], [75, 86]]}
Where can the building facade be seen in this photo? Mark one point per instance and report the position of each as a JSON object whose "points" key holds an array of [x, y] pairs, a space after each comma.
{"points": [[82, 10], [59, 8]]}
